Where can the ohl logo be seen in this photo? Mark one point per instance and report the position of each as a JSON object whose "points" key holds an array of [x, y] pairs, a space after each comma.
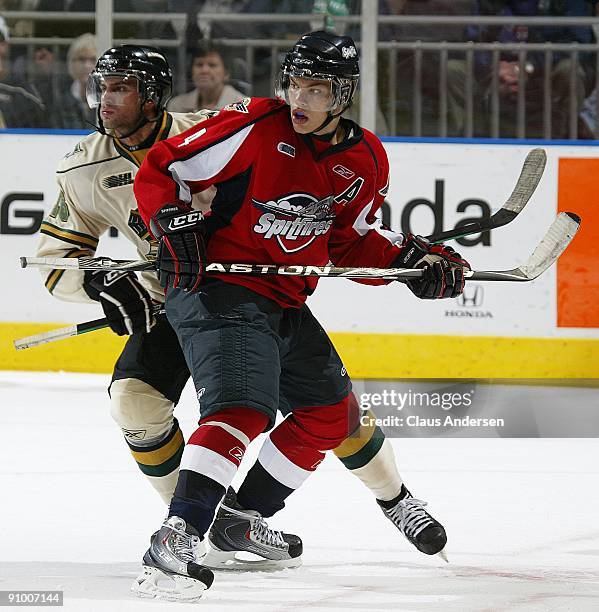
{"points": [[295, 220]]}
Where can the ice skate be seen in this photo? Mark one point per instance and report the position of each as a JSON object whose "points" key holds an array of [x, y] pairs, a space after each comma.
{"points": [[419, 527], [170, 568], [240, 539]]}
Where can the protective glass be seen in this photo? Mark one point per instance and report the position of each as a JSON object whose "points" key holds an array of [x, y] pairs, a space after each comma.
{"points": [[113, 88], [317, 96]]}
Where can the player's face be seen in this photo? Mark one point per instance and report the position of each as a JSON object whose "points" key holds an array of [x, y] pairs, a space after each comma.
{"points": [[310, 101], [208, 72], [119, 103]]}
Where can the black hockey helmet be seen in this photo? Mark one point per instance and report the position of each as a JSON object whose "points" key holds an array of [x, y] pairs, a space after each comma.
{"points": [[145, 64], [324, 56]]}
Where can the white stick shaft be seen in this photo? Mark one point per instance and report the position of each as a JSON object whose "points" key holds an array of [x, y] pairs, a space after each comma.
{"points": [[45, 337]]}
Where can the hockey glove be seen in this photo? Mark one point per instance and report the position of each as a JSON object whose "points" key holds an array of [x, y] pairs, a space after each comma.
{"points": [[182, 247], [443, 268], [126, 304]]}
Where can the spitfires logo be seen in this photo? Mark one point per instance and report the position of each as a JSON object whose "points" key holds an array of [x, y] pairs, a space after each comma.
{"points": [[294, 220]]}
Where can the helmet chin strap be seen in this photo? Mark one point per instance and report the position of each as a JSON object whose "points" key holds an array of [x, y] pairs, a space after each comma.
{"points": [[327, 121], [142, 121]]}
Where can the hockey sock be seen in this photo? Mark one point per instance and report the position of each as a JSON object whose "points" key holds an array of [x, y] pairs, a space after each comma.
{"points": [[210, 461], [293, 450], [392, 502], [369, 456], [160, 459], [274, 477]]}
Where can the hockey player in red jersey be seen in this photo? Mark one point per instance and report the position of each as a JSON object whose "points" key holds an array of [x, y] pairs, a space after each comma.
{"points": [[295, 184]]}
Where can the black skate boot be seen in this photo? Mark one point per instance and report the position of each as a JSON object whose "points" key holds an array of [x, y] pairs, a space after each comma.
{"points": [[172, 560], [419, 527], [241, 539]]}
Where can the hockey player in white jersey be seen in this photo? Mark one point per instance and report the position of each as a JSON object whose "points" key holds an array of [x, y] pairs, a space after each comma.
{"points": [[130, 87]]}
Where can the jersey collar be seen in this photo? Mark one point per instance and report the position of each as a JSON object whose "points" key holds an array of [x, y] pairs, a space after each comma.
{"points": [[137, 153], [321, 148]]}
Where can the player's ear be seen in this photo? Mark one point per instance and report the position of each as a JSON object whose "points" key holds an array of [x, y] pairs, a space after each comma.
{"points": [[149, 108]]}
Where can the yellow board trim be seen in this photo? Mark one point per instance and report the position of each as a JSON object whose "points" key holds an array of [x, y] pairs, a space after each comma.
{"points": [[162, 454], [94, 352], [392, 356], [370, 356]]}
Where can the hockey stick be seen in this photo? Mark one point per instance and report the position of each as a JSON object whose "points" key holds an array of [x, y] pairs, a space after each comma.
{"points": [[68, 332], [553, 244], [530, 175], [555, 241]]}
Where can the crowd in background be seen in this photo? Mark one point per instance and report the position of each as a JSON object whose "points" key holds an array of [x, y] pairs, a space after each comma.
{"points": [[43, 85]]}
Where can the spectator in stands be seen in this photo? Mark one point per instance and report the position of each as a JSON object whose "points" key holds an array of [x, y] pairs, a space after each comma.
{"points": [[562, 67], [20, 106], [401, 101], [587, 124], [70, 110], [209, 74]]}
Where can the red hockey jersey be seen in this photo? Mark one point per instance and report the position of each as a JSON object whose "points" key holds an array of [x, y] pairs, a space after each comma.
{"points": [[282, 198]]}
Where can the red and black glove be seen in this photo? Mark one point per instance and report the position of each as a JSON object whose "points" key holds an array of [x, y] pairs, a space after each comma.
{"points": [[443, 268], [182, 248]]}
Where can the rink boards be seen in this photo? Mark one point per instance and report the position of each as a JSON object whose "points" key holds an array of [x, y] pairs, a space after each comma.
{"points": [[544, 329]]}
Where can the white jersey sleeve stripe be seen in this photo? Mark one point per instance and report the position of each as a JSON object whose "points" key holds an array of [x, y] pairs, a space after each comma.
{"points": [[207, 162]]}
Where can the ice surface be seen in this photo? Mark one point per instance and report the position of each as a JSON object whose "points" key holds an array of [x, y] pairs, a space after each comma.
{"points": [[521, 517]]}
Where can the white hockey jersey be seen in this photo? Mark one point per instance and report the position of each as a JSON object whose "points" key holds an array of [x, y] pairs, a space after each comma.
{"points": [[96, 193]]}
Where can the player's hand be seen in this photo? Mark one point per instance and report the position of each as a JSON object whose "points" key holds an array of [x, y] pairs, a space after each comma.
{"points": [[443, 268], [182, 248], [126, 304]]}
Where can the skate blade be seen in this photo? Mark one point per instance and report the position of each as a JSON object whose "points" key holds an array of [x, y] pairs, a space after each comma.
{"points": [[443, 555], [180, 588], [242, 561]]}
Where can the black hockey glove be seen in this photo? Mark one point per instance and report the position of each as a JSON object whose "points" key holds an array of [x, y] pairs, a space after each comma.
{"points": [[126, 304], [182, 247], [443, 268]]}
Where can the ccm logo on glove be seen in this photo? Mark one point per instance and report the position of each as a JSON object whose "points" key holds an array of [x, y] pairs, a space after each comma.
{"points": [[184, 221], [181, 251]]}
